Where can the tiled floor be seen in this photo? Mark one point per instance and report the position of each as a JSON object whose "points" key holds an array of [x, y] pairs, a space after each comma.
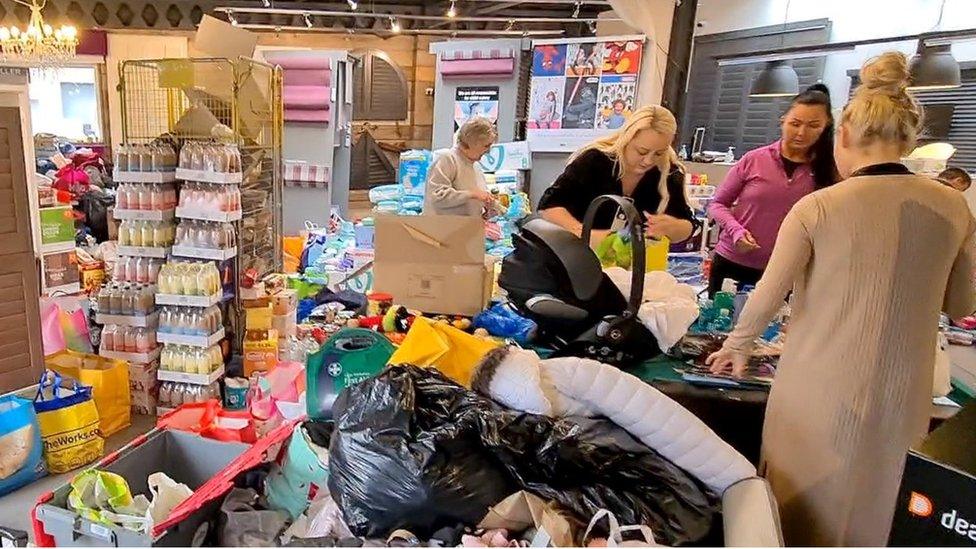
{"points": [[15, 507]]}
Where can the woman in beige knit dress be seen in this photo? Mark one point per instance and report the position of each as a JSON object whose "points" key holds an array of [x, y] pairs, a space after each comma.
{"points": [[872, 261]]}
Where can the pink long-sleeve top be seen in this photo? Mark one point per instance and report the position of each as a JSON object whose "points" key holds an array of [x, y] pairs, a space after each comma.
{"points": [[755, 196]]}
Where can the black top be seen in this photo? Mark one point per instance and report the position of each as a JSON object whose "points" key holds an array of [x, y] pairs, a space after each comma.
{"points": [[592, 174], [888, 168], [789, 165]]}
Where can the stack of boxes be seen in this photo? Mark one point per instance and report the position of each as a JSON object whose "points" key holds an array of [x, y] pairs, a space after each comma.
{"points": [[260, 337]]}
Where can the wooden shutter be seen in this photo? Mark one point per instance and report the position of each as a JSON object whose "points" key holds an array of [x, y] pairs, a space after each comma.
{"points": [[380, 89], [962, 128], [718, 97], [20, 345], [370, 165]]}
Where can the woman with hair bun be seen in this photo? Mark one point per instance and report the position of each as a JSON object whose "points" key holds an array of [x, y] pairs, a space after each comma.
{"points": [[872, 262]]}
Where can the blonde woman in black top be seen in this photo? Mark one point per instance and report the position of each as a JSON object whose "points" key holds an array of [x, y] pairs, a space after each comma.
{"points": [[637, 162]]}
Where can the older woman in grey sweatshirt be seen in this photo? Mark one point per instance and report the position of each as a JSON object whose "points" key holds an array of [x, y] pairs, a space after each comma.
{"points": [[456, 184]]}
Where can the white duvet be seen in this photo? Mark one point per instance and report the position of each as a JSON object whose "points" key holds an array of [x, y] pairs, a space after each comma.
{"points": [[571, 386]]}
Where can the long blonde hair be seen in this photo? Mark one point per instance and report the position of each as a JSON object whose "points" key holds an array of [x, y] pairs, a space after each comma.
{"points": [[882, 108], [651, 117]]}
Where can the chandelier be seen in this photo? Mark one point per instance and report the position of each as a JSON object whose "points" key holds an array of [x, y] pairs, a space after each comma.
{"points": [[39, 44]]}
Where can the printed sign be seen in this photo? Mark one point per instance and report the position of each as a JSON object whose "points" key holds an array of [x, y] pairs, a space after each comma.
{"points": [[581, 89], [475, 101]]}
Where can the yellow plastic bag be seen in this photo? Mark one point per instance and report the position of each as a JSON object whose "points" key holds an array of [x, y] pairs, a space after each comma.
{"points": [[109, 380], [69, 424], [454, 352], [616, 251]]}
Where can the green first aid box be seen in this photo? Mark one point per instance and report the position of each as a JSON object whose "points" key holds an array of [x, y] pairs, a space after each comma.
{"points": [[57, 225]]}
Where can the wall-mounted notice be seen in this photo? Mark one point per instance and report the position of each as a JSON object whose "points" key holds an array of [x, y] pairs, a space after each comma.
{"points": [[581, 89], [475, 101]]}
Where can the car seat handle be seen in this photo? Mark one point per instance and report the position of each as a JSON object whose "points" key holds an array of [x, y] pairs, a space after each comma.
{"points": [[635, 221]]}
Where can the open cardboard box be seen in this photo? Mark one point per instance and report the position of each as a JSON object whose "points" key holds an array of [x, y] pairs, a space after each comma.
{"points": [[433, 263]]}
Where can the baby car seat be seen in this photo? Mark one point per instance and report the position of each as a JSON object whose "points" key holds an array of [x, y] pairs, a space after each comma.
{"points": [[555, 279]]}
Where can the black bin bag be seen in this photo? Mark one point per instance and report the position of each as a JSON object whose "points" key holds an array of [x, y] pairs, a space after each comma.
{"points": [[413, 449]]}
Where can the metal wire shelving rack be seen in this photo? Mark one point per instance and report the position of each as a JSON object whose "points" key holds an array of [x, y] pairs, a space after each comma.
{"points": [[182, 100]]}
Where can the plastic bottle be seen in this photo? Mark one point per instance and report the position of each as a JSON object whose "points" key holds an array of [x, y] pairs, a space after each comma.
{"points": [[683, 153], [724, 321], [725, 299], [730, 155], [739, 302]]}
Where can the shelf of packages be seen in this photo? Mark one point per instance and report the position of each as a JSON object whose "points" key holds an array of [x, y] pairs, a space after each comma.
{"points": [[188, 300], [204, 176], [193, 379], [191, 340], [144, 215], [135, 358], [144, 251], [121, 176], [222, 254], [140, 321], [58, 247], [207, 215]]}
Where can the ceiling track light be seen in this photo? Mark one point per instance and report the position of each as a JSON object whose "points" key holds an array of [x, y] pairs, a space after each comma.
{"points": [[395, 25], [232, 18], [352, 5], [510, 25], [576, 10], [308, 20], [592, 26], [267, 3], [452, 11]]}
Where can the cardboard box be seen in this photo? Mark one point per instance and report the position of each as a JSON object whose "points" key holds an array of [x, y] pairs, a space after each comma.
{"points": [[435, 264], [92, 276], [284, 302], [261, 355], [937, 500], [142, 377], [285, 325]]}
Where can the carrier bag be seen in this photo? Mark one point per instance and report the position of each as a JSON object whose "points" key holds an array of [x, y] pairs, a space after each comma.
{"points": [[109, 381], [21, 460], [69, 424]]}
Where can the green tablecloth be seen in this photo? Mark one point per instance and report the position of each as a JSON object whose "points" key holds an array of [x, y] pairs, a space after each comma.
{"points": [[736, 415]]}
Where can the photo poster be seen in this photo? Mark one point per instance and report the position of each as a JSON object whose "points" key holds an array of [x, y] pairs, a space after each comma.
{"points": [[475, 101], [581, 89]]}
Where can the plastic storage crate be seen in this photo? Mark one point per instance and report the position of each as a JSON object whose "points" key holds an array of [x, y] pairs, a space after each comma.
{"points": [[207, 466]]}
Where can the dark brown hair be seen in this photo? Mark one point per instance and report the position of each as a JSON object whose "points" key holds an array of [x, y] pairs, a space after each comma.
{"points": [[822, 163]]}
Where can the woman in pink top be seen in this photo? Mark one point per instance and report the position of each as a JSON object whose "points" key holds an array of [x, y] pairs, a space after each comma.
{"points": [[765, 183]]}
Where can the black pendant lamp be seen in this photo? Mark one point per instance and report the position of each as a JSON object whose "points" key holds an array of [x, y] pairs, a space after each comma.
{"points": [[934, 67], [776, 79]]}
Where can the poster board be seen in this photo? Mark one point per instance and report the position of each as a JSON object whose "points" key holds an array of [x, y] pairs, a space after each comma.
{"points": [[475, 101], [581, 89]]}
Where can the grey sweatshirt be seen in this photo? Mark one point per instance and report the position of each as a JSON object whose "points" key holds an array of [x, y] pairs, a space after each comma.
{"points": [[450, 184]]}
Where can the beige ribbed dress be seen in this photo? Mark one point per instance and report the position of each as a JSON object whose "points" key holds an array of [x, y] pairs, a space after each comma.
{"points": [[872, 261]]}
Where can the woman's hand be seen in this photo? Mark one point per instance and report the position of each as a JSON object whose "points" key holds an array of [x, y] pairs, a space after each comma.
{"points": [[746, 244], [483, 196], [721, 360], [660, 225]]}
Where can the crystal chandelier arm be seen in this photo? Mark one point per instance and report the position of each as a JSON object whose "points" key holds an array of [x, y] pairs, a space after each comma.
{"points": [[32, 4]]}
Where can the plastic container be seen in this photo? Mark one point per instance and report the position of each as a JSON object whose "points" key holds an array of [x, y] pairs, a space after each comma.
{"points": [[185, 457]]}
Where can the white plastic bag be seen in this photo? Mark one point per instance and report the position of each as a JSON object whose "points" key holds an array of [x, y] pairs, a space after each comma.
{"points": [[323, 518], [669, 307], [166, 495], [615, 535]]}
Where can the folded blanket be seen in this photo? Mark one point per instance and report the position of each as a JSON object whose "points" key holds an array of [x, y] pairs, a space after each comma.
{"points": [[300, 115]]}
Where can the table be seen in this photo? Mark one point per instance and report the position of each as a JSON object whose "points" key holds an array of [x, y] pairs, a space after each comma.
{"points": [[737, 415]]}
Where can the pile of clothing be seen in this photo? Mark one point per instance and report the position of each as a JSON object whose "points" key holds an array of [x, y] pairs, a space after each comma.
{"points": [[533, 453]]}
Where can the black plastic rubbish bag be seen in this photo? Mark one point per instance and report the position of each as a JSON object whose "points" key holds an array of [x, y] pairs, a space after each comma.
{"points": [[414, 450]]}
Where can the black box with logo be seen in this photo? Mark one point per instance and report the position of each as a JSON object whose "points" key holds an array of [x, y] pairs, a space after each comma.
{"points": [[937, 500]]}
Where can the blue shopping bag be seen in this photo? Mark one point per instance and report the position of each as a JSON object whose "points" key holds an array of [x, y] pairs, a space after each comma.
{"points": [[21, 460]]}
